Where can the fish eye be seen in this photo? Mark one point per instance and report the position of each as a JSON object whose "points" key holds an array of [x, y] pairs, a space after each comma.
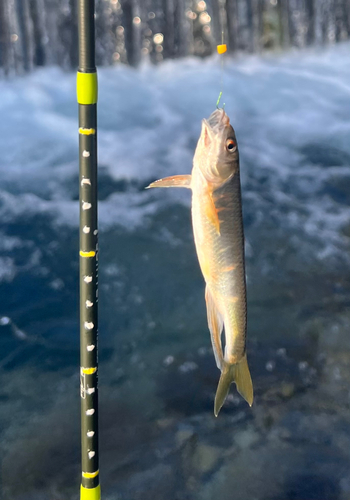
{"points": [[231, 146]]}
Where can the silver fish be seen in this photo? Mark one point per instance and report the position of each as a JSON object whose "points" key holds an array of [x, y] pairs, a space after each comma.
{"points": [[218, 234]]}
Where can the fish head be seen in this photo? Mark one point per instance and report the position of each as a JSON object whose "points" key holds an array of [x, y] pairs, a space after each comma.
{"points": [[217, 151]]}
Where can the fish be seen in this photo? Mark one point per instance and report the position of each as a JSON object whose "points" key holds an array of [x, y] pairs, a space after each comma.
{"points": [[219, 240]]}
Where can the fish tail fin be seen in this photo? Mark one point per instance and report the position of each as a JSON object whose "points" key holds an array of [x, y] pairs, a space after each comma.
{"points": [[244, 381], [238, 373]]}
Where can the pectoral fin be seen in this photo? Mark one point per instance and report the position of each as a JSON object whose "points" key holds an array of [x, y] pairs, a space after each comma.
{"points": [[215, 323], [183, 181], [212, 213]]}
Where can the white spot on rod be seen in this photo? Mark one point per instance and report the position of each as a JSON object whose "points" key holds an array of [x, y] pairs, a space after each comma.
{"points": [[90, 412], [90, 434], [86, 181], [86, 154], [90, 390], [90, 347], [86, 205], [91, 454], [86, 229], [88, 326], [88, 303], [95, 232], [87, 279]]}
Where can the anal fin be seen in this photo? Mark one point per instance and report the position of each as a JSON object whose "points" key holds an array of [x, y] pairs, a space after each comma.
{"points": [[183, 181], [215, 323]]}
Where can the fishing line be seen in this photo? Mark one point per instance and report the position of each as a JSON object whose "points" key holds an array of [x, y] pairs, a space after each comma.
{"points": [[221, 49]]}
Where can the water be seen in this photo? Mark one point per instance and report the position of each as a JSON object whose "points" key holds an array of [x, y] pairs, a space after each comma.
{"points": [[158, 377]]}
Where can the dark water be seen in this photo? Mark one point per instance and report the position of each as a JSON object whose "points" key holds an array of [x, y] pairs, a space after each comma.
{"points": [[159, 438]]}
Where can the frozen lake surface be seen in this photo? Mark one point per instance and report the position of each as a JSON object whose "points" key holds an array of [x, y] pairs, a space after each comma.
{"points": [[159, 438]]}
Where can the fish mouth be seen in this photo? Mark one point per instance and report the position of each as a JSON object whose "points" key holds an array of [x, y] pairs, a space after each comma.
{"points": [[218, 120]]}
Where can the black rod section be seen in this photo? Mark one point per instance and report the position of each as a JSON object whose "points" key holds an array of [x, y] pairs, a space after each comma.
{"points": [[86, 33], [88, 253]]}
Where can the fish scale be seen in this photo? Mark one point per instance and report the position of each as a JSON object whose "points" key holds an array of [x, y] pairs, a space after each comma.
{"points": [[223, 251]]}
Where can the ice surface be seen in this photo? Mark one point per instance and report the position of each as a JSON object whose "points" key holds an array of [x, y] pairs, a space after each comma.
{"points": [[289, 112], [292, 122]]}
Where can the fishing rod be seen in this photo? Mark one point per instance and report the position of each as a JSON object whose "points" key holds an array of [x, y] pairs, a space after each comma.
{"points": [[88, 256]]}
